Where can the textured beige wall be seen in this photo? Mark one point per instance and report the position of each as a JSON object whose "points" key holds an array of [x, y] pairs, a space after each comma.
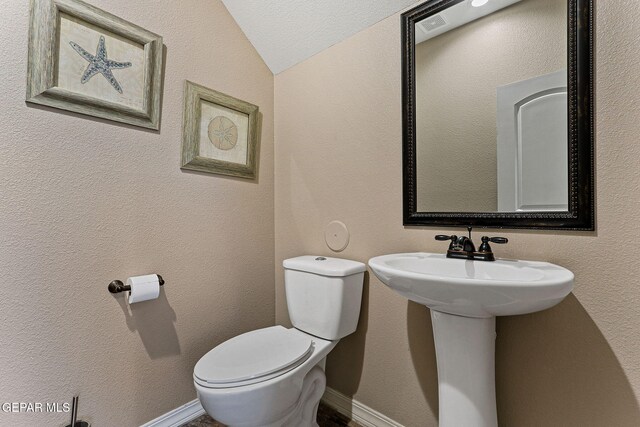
{"points": [[338, 156], [85, 201], [457, 74]]}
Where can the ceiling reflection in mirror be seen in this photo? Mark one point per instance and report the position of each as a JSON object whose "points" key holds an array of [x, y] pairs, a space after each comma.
{"points": [[491, 107]]}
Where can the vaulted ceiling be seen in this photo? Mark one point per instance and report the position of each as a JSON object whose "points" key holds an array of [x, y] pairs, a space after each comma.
{"points": [[286, 32]]}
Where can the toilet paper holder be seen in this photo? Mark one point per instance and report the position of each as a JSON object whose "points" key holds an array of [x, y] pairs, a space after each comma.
{"points": [[118, 286]]}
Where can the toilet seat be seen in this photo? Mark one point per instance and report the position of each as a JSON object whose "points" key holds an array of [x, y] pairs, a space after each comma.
{"points": [[253, 357]]}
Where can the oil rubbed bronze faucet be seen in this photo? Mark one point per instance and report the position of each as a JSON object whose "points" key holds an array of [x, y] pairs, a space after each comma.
{"points": [[463, 248]]}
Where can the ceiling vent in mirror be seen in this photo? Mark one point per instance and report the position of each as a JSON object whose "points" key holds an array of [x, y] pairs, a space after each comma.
{"points": [[432, 23], [459, 14]]}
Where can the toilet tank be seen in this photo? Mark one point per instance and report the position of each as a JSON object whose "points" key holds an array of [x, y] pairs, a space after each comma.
{"points": [[324, 294]]}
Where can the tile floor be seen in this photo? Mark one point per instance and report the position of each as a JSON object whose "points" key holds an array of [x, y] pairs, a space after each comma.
{"points": [[327, 417]]}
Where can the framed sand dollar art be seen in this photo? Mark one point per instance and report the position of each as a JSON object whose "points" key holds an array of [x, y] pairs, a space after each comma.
{"points": [[219, 133]]}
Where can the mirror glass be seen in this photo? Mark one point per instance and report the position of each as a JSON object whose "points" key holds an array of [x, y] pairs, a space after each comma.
{"points": [[491, 107]]}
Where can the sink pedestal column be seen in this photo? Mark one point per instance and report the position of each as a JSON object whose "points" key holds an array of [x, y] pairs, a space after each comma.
{"points": [[465, 354]]}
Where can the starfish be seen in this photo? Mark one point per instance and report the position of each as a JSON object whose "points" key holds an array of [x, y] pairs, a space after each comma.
{"points": [[99, 63]]}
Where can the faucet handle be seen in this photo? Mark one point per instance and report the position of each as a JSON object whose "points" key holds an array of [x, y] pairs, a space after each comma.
{"points": [[499, 240], [443, 237], [484, 247]]}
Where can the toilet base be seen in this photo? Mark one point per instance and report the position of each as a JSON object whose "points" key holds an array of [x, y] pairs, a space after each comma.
{"points": [[288, 400], [305, 412]]}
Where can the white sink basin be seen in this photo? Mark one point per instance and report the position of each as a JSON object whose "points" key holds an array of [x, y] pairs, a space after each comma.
{"points": [[474, 288], [464, 297]]}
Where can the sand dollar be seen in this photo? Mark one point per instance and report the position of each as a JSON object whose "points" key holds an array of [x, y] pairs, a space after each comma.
{"points": [[223, 133]]}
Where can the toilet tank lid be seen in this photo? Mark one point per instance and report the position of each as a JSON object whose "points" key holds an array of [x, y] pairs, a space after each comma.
{"points": [[325, 266]]}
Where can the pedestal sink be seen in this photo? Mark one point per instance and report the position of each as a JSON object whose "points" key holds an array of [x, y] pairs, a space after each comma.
{"points": [[465, 297]]}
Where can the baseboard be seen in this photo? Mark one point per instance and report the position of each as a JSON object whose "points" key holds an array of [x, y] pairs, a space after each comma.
{"points": [[357, 411], [177, 417], [345, 405]]}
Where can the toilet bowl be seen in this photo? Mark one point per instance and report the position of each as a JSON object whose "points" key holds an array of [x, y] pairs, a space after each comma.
{"points": [[267, 399], [274, 377]]}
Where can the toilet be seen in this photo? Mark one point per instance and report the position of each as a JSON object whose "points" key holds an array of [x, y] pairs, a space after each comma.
{"points": [[275, 376]]}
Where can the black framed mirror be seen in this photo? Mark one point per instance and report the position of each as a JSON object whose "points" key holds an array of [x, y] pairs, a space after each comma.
{"points": [[498, 127]]}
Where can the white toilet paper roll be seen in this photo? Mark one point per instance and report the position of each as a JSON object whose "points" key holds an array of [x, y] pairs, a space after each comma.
{"points": [[143, 288]]}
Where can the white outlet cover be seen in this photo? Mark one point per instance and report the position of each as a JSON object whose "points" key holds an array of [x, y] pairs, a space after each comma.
{"points": [[337, 236]]}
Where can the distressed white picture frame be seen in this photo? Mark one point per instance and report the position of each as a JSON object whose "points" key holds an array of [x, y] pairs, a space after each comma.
{"points": [[50, 23]]}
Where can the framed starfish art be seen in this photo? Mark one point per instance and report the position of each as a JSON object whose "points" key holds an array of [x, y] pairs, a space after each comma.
{"points": [[219, 133], [85, 60]]}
